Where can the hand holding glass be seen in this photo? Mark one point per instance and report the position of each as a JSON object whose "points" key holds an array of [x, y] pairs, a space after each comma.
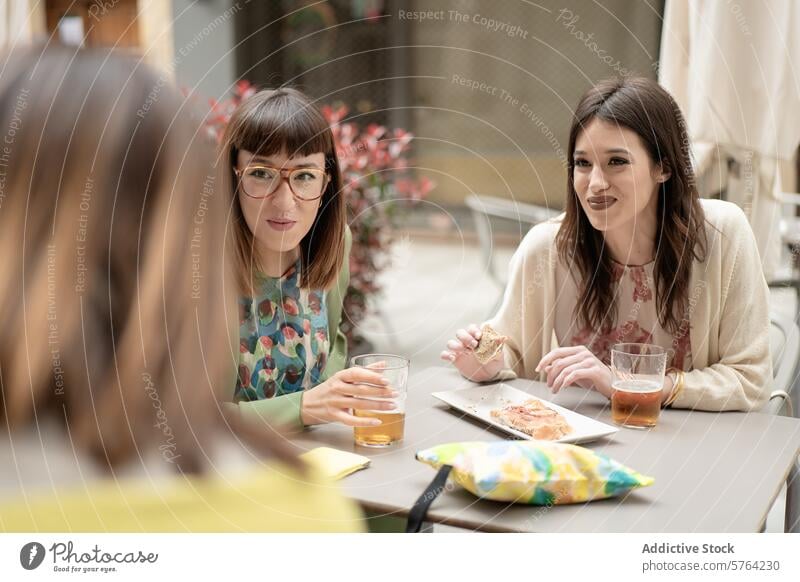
{"points": [[390, 431]]}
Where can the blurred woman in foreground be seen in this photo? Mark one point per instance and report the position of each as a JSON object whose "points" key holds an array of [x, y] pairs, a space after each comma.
{"points": [[113, 306]]}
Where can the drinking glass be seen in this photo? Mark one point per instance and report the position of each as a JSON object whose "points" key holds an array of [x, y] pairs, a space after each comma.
{"points": [[390, 431], [638, 371]]}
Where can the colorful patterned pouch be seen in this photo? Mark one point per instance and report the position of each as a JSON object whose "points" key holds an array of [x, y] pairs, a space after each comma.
{"points": [[532, 472]]}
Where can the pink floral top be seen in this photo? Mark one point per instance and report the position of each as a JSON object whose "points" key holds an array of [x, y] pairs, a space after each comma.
{"points": [[636, 317]]}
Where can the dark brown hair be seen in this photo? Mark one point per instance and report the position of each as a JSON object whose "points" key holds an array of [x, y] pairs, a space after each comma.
{"points": [[286, 121], [112, 300], [645, 108]]}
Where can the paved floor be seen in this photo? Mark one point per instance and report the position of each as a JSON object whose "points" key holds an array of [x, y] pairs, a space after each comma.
{"points": [[433, 289]]}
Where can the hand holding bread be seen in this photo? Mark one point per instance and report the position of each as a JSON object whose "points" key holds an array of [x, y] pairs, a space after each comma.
{"points": [[476, 352]]}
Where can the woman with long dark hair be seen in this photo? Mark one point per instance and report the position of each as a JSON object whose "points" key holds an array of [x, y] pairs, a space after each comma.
{"points": [[636, 257]]}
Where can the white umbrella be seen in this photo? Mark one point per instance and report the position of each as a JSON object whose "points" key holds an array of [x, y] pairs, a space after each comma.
{"points": [[734, 69]]}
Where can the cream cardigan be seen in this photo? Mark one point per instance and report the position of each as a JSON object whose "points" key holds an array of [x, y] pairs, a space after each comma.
{"points": [[728, 298]]}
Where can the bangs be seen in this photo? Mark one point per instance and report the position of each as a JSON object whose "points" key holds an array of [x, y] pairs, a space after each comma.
{"points": [[281, 121]]}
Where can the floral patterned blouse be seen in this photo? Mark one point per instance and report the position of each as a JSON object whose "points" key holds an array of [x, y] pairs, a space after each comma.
{"points": [[283, 338], [636, 317]]}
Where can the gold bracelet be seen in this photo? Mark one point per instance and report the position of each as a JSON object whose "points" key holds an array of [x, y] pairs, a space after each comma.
{"points": [[677, 387], [674, 384]]}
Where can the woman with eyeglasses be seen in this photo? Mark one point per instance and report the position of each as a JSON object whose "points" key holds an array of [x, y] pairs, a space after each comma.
{"points": [[292, 248]]}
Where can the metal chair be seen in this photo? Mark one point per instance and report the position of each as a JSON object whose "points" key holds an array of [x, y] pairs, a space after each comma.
{"points": [[785, 350], [485, 209], [789, 227]]}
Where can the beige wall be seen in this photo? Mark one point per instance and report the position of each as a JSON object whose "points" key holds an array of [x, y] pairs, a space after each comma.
{"points": [[533, 180], [155, 32]]}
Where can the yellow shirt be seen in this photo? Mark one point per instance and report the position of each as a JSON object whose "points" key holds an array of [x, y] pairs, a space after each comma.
{"points": [[269, 499]]}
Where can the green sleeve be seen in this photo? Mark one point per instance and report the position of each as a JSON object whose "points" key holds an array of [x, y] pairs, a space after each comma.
{"points": [[283, 411], [337, 357]]}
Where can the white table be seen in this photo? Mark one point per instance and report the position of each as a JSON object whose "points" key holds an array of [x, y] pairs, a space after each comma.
{"points": [[714, 472]]}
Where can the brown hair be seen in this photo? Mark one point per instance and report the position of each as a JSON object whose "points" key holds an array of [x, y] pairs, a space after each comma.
{"points": [[645, 108], [112, 300], [268, 123]]}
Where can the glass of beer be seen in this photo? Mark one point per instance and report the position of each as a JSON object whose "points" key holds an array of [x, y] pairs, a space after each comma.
{"points": [[390, 431], [638, 371]]}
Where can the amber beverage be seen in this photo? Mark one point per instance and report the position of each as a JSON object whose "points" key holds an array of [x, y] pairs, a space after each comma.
{"points": [[390, 431], [635, 403], [638, 371]]}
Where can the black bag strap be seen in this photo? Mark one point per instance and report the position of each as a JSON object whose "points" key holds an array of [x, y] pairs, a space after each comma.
{"points": [[416, 517]]}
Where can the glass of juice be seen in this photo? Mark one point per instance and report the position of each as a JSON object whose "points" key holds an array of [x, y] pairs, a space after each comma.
{"points": [[390, 431], [638, 371]]}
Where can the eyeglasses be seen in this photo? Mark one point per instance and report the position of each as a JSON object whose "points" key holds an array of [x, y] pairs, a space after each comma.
{"points": [[262, 181]]}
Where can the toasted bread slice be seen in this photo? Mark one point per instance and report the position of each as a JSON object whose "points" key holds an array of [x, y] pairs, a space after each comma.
{"points": [[534, 418], [489, 346]]}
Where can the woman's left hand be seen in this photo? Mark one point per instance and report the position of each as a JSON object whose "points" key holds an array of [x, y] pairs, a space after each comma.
{"points": [[576, 365]]}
